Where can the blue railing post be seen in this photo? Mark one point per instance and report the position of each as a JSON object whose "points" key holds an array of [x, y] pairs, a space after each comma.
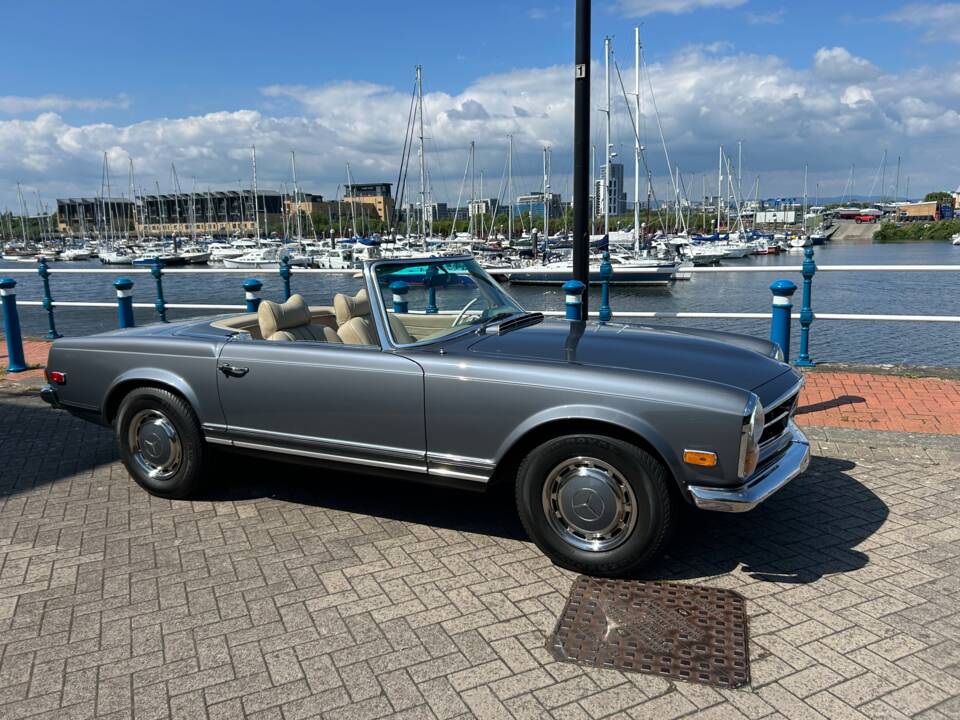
{"points": [[124, 287], [782, 291], [430, 281], [285, 276], [44, 272], [156, 269], [11, 326], [399, 289], [573, 290], [251, 293], [806, 308], [606, 272]]}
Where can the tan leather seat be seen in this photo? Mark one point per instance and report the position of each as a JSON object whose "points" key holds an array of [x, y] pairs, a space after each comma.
{"points": [[355, 324], [291, 321]]}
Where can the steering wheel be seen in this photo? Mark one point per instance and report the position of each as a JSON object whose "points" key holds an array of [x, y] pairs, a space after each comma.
{"points": [[464, 311]]}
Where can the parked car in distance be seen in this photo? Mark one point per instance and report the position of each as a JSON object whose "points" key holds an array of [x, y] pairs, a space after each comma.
{"points": [[866, 219], [432, 371]]}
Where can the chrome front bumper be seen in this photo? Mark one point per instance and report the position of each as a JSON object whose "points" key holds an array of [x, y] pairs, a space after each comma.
{"points": [[762, 484]]}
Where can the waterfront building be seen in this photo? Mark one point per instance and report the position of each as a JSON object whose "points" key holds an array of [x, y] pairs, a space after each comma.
{"points": [[532, 203], [95, 215], [221, 212], [913, 212], [616, 199], [375, 196]]}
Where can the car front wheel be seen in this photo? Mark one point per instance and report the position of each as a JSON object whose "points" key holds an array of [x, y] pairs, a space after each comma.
{"points": [[594, 504], [160, 442]]}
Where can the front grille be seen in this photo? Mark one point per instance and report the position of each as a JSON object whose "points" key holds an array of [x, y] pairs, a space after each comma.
{"points": [[778, 417]]}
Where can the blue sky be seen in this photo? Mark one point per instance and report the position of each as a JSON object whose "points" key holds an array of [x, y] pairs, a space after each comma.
{"points": [[145, 79]]}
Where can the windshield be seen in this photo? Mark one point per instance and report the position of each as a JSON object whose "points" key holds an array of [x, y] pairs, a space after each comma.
{"points": [[436, 298]]}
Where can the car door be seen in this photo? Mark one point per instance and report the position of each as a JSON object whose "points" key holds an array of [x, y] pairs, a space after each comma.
{"points": [[342, 403]]}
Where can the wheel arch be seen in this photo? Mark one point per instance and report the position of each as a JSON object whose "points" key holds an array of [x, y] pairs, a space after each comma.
{"points": [[583, 421], [145, 377]]}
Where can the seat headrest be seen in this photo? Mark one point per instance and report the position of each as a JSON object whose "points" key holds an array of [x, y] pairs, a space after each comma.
{"points": [[274, 317], [348, 307]]}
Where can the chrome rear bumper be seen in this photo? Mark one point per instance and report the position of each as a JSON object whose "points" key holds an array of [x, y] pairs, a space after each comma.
{"points": [[764, 482], [49, 395]]}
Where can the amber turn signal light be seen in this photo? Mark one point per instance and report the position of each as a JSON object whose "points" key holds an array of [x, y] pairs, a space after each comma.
{"points": [[700, 457]]}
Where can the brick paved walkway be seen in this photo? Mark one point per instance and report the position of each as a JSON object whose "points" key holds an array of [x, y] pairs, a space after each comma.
{"points": [[314, 595]]}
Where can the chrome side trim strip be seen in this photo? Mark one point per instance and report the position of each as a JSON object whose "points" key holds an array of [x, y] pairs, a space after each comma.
{"points": [[214, 427], [346, 444], [447, 472], [330, 456], [219, 441], [452, 459]]}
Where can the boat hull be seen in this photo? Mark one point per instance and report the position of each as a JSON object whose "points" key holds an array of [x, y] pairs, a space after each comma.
{"points": [[639, 276]]}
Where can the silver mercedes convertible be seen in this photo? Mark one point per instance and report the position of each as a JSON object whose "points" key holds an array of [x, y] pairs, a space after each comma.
{"points": [[433, 372]]}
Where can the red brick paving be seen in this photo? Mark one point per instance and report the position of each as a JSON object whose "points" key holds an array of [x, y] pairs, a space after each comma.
{"points": [[833, 399], [881, 402]]}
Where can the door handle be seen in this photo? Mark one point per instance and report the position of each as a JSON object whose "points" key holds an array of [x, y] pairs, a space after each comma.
{"points": [[233, 370]]}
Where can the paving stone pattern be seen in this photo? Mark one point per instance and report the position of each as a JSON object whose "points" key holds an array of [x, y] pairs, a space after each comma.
{"points": [[289, 593]]}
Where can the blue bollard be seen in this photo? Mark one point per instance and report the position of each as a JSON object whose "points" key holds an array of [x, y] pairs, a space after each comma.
{"points": [[11, 326], [285, 276], [806, 308], [399, 289], [430, 281], [573, 290], [782, 291], [251, 293], [156, 269], [124, 288], [44, 272], [606, 272]]}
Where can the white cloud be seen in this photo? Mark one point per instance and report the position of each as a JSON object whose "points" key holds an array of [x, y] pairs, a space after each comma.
{"points": [[639, 8], [24, 105], [785, 116], [939, 21], [840, 65]]}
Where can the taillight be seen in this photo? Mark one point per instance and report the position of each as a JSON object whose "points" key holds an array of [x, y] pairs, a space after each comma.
{"points": [[55, 376]]}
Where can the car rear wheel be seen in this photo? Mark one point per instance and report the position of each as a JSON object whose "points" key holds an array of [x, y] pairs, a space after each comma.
{"points": [[160, 442], [594, 504]]}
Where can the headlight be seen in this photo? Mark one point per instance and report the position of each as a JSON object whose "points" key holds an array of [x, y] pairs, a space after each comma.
{"points": [[777, 353], [750, 436]]}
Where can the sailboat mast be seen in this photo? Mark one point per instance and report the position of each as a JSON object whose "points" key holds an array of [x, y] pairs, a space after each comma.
{"points": [[353, 211], [546, 190], [896, 188], [636, 146], [256, 208], [473, 191], [719, 187], [803, 218], [606, 151], [423, 162], [510, 191], [296, 195]]}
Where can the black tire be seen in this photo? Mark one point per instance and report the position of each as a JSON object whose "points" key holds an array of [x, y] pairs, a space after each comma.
{"points": [[162, 411], [631, 546]]}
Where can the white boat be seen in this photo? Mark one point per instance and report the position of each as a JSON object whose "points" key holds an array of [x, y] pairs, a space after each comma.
{"points": [[195, 255], [955, 239], [75, 254], [117, 256], [261, 258], [801, 241]]}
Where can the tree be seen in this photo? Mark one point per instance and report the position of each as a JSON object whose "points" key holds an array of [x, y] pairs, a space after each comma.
{"points": [[940, 197]]}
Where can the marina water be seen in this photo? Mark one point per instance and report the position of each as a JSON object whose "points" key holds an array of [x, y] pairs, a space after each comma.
{"points": [[871, 342]]}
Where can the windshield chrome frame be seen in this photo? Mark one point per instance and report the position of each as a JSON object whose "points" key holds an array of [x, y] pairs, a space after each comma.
{"points": [[377, 302]]}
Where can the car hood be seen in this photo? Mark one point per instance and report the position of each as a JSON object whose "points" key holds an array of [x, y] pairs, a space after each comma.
{"points": [[726, 358]]}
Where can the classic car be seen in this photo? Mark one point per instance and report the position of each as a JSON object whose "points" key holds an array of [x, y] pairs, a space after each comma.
{"points": [[432, 371]]}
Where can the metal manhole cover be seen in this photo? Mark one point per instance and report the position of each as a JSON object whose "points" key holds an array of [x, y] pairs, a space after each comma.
{"points": [[687, 632]]}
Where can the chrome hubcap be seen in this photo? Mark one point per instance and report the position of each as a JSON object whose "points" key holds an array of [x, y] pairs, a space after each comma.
{"points": [[155, 444], [589, 504]]}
